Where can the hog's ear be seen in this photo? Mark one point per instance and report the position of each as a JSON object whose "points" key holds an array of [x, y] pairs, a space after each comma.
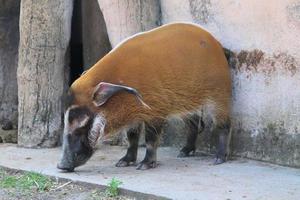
{"points": [[103, 91]]}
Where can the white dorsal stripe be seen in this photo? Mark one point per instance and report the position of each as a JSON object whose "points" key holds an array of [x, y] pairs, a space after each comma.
{"points": [[143, 32]]}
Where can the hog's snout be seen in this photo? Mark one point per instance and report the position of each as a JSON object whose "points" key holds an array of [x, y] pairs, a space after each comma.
{"points": [[65, 168], [66, 162]]}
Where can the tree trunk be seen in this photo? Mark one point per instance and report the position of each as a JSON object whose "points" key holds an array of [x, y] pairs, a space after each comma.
{"points": [[44, 38], [124, 18], [94, 34], [9, 41]]}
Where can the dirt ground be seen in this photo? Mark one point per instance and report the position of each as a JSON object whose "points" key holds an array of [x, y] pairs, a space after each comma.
{"points": [[60, 189]]}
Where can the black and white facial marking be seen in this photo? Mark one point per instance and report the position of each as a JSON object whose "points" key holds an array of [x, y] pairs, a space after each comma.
{"points": [[81, 133]]}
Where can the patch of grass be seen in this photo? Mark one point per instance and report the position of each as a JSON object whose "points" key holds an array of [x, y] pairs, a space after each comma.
{"points": [[113, 187], [8, 182], [26, 181]]}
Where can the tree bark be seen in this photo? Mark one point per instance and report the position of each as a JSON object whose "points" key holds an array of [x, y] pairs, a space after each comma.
{"points": [[124, 18], [9, 41], [94, 34], [44, 38]]}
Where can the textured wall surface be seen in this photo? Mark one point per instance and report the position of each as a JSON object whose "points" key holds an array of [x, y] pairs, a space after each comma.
{"points": [[265, 36]]}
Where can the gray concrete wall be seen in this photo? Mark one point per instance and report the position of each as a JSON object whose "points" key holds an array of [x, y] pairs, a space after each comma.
{"points": [[265, 36]]}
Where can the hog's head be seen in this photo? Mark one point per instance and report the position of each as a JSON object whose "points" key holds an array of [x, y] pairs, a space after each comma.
{"points": [[83, 126], [81, 132]]}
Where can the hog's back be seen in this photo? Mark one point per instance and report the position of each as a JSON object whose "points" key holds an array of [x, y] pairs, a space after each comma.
{"points": [[178, 69]]}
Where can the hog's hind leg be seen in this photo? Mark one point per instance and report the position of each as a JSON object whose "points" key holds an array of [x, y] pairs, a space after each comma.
{"points": [[223, 149], [152, 134], [131, 155], [194, 123]]}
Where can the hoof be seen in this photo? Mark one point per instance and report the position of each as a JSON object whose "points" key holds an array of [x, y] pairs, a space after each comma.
{"points": [[148, 165], [218, 161], [124, 163], [186, 152], [183, 154], [65, 169]]}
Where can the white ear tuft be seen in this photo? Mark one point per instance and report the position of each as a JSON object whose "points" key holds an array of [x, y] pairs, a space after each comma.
{"points": [[97, 130]]}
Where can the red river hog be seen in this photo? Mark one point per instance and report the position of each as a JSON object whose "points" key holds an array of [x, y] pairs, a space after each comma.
{"points": [[176, 70]]}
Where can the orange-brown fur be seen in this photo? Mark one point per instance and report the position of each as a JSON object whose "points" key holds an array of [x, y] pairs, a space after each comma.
{"points": [[177, 68]]}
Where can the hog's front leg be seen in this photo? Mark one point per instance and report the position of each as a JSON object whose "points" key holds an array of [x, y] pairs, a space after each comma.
{"points": [[131, 155]]}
